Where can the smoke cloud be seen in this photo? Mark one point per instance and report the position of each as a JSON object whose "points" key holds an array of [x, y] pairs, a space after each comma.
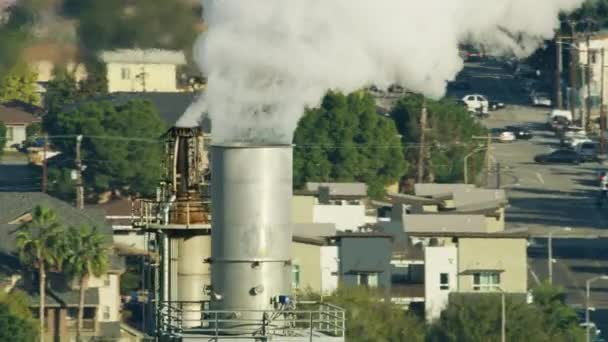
{"points": [[267, 60]]}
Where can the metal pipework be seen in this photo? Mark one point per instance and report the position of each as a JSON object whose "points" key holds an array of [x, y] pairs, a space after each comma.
{"points": [[251, 192]]}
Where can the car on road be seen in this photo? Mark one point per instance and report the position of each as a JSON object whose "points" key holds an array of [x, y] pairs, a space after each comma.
{"points": [[540, 99], [588, 151], [496, 105], [503, 135], [558, 157], [477, 103], [520, 132]]}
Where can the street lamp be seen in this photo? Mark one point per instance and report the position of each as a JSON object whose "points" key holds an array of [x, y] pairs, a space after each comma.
{"points": [[466, 159], [550, 251], [587, 307]]}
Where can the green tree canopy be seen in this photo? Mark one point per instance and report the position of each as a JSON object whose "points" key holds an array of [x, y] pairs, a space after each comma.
{"points": [[121, 147], [346, 140], [477, 318], [15, 328], [449, 136], [19, 84], [14, 35], [371, 319]]}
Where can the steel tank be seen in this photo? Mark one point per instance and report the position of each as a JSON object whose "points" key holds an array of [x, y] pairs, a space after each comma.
{"points": [[251, 193]]}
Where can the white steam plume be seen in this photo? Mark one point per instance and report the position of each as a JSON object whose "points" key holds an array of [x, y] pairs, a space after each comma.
{"points": [[266, 60]]}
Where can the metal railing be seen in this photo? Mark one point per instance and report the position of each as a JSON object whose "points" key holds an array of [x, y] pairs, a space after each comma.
{"points": [[181, 318]]}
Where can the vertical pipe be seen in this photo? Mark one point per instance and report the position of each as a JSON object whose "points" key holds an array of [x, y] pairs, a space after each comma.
{"points": [[558, 72]]}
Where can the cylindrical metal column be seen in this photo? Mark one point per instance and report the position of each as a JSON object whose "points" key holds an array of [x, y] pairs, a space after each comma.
{"points": [[251, 192], [192, 276]]}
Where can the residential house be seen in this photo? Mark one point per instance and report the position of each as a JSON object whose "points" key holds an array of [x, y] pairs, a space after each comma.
{"points": [[472, 263], [17, 116], [44, 57], [343, 204], [102, 298], [365, 259], [597, 42], [135, 70]]}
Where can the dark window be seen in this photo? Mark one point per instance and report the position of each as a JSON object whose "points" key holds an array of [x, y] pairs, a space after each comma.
{"points": [[444, 281]]}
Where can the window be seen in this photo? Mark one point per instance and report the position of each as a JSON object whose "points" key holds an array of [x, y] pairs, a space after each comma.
{"points": [[106, 280], [125, 73], [444, 281], [486, 281], [106, 313], [593, 58], [367, 279], [9, 134], [295, 276]]}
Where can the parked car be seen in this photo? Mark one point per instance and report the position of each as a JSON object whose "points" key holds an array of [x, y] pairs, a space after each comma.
{"points": [[541, 99], [496, 105], [477, 103], [503, 135], [572, 143], [558, 157], [520, 132], [587, 151], [557, 119]]}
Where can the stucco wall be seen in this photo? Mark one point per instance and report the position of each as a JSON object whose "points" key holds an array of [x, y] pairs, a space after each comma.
{"points": [[439, 260], [345, 217], [494, 254], [19, 135], [158, 77], [308, 258], [302, 211], [44, 69], [109, 296], [329, 269]]}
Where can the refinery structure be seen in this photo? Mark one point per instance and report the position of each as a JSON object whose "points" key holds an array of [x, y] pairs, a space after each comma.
{"points": [[220, 227]]}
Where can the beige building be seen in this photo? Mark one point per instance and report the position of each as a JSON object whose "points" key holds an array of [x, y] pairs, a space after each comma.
{"points": [[142, 70], [306, 264], [43, 58]]}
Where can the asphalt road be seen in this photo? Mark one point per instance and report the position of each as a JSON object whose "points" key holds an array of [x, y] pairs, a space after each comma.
{"points": [[547, 198]]}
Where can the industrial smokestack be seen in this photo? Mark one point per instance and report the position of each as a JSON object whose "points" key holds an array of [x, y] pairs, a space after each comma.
{"points": [[251, 193]]}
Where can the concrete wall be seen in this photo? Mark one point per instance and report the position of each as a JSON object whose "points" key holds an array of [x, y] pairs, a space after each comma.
{"points": [[302, 209], [488, 254], [439, 260], [329, 269], [19, 135], [345, 217], [308, 258], [158, 77]]}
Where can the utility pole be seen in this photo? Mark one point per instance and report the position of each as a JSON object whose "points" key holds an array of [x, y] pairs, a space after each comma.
{"points": [[558, 72], [498, 176], [573, 69], [488, 160], [422, 147], [602, 109], [587, 123], [44, 163], [79, 185]]}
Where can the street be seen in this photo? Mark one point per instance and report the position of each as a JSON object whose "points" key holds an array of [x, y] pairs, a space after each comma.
{"points": [[547, 198]]}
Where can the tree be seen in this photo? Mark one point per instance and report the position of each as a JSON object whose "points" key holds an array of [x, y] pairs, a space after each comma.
{"points": [[346, 140], [477, 318], [88, 255], [121, 147], [38, 242], [15, 328], [19, 84], [449, 137], [61, 91], [14, 35], [371, 319]]}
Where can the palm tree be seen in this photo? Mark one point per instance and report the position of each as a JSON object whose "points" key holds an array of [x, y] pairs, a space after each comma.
{"points": [[87, 256], [38, 242]]}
